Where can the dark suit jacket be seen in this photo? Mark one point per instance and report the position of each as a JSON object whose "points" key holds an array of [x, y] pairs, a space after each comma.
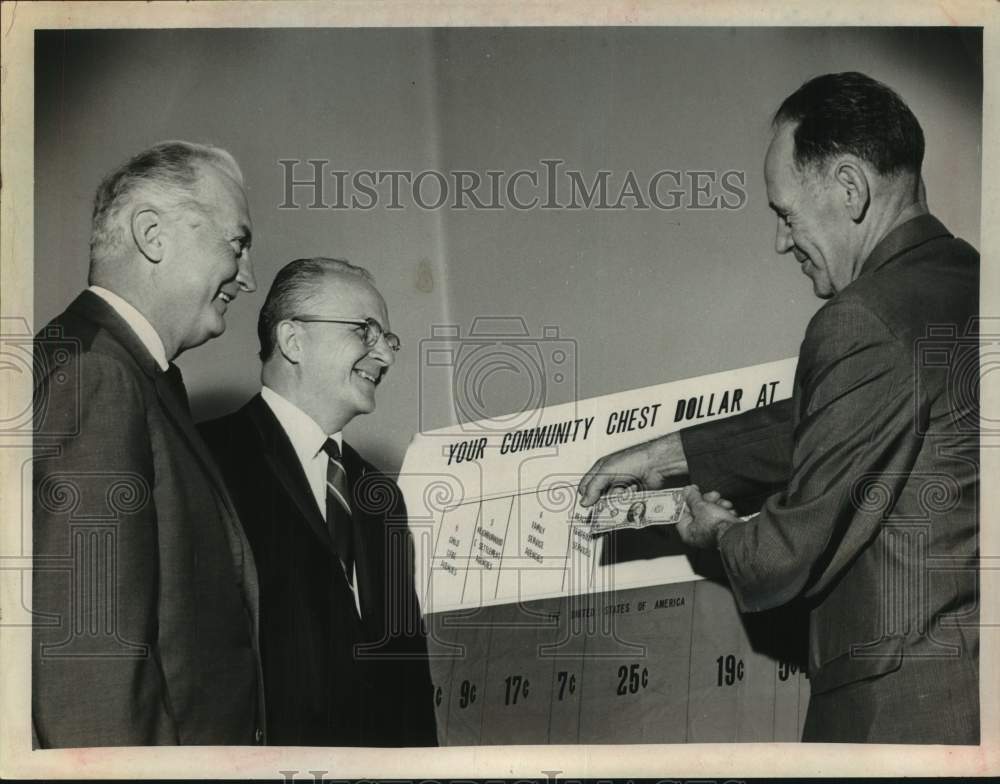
{"points": [[145, 591], [329, 680], [875, 524]]}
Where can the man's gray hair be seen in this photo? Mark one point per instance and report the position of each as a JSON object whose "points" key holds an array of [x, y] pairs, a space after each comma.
{"points": [[168, 171], [292, 286]]}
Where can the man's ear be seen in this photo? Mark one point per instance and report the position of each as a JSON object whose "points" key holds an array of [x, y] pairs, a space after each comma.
{"points": [[288, 339], [852, 177], [147, 233]]}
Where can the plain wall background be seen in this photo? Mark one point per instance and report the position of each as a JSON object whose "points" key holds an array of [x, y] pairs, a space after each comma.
{"points": [[638, 296]]}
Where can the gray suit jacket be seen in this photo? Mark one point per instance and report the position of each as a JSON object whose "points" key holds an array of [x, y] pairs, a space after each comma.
{"points": [[875, 522], [145, 590]]}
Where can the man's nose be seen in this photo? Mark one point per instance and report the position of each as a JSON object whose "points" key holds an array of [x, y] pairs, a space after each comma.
{"points": [[783, 238], [245, 275], [382, 351]]}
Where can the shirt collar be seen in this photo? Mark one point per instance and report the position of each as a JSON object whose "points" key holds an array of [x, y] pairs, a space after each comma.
{"points": [[306, 435], [137, 322], [915, 231]]}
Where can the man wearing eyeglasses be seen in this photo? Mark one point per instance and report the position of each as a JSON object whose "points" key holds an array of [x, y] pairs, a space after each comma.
{"points": [[343, 653]]}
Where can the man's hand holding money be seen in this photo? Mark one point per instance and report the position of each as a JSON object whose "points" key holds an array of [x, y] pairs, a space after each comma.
{"points": [[711, 516], [648, 466], [700, 519]]}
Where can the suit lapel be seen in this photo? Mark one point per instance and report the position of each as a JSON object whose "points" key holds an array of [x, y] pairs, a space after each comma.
{"points": [[182, 419], [239, 545], [93, 308], [284, 464]]}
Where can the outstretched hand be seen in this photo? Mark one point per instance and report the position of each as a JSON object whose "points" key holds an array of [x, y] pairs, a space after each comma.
{"points": [[648, 466]]}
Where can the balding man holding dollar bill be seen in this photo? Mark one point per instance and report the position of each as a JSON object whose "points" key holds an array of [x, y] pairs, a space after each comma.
{"points": [[870, 471]]}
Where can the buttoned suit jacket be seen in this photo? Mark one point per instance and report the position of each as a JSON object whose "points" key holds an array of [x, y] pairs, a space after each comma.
{"points": [[144, 587], [328, 680], [872, 518]]}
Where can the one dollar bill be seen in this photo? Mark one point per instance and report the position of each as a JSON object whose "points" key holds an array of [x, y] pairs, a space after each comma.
{"points": [[631, 509]]}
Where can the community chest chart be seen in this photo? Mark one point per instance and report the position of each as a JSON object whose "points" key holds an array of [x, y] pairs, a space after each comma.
{"points": [[542, 630]]}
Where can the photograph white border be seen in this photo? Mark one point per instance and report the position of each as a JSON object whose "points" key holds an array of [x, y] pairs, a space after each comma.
{"points": [[721, 761]]}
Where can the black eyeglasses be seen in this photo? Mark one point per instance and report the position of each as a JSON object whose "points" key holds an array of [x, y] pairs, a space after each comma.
{"points": [[373, 330]]}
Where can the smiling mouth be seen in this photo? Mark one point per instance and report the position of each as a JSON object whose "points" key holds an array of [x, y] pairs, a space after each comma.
{"points": [[368, 376], [226, 298]]}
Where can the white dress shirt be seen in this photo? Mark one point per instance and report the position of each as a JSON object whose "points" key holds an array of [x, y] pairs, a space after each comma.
{"points": [[139, 323], [307, 439]]}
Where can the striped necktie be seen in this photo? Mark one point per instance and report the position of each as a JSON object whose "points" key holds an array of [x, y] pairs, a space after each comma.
{"points": [[338, 509]]}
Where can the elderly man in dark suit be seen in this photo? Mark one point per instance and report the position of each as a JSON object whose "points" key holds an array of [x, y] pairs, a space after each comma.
{"points": [[145, 591], [345, 660], [872, 466]]}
